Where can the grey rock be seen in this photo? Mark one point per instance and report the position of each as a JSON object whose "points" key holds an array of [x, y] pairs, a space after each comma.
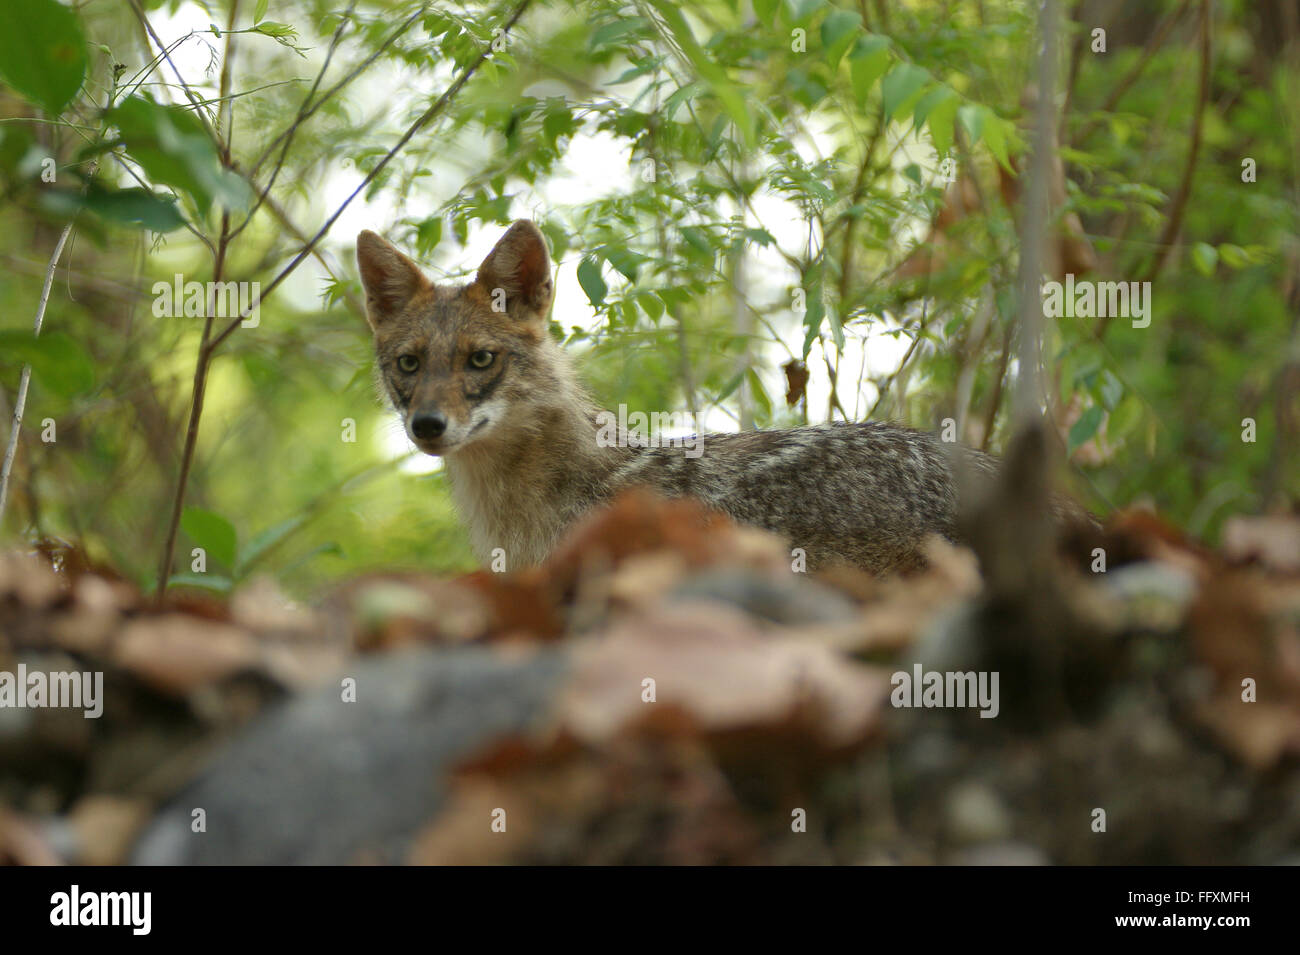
{"points": [[320, 781]]}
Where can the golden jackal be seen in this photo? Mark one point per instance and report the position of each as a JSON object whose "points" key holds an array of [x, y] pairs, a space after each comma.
{"points": [[479, 381]]}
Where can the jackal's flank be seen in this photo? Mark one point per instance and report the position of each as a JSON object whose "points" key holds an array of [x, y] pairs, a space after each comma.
{"points": [[479, 380]]}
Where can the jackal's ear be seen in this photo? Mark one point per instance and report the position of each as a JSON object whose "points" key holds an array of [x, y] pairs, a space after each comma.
{"points": [[389, 278], [521, 266]]}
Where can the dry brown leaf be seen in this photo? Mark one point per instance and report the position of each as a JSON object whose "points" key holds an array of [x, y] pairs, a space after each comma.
{"points": [[715, 672], [23, 842], [177, 653], [1260, 734], [105, 827], [1273, 541]]}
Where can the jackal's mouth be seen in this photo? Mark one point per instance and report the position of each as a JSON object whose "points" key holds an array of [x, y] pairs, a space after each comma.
{"points": [[434, 446], [446, 443]]}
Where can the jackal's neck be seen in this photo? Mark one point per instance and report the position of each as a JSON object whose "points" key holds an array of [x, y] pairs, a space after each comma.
{"points": [[519, 489]]}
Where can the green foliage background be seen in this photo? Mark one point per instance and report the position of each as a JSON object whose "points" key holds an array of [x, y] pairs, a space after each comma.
{"points": [[841, 109]]}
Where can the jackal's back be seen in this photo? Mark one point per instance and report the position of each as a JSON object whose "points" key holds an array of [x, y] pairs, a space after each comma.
{"points": [[865, 494]]}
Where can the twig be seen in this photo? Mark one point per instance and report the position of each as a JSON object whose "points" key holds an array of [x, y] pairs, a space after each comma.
{"points": [[21, 403], [1175, 222], [166, 56], [1033, 230], [196, 413], [225, 119], [1148, 51], [306, 113], [995, 400], [264, 194], [888, 383]]}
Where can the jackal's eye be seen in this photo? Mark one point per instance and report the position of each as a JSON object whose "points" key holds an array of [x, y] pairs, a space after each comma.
{"points": [[408, 363], [481, 359]]}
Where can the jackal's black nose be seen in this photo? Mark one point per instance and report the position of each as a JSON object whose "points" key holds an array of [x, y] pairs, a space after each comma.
{"points": [[427, 425]]}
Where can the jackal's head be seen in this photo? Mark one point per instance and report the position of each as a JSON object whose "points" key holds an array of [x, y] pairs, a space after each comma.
{"points": [[470, 363]]}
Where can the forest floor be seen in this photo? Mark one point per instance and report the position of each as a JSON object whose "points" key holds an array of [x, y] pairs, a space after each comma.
{"points": [[665, 690]]}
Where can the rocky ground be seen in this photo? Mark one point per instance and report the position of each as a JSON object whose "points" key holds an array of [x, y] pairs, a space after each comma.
{"points": [[666, 690]]}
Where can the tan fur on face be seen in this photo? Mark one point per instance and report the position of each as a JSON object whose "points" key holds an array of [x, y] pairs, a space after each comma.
{"points": [[442, 326]]}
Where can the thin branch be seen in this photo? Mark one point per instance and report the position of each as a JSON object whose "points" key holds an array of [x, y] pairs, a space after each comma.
{"points": [[306, 113], [185, 87], [225, 119], [264, 194], [995, 400], [1153, 44], [1175, 222], [884, 388], [1033, 225], [21, 403], [199, 391]]}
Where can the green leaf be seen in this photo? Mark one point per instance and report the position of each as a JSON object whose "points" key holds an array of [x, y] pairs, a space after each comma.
{"points": [[221, 584], [592, 282], [283, 32], [212, 532], [1082, 430], [971, 118], [632, 72], [730, 387], [812, 318], [765, 10], [680, 96], [1205, 257], [838, 30], [759, 393], [170, 145], [1234, 256], [801, 10], [427, 235], [42, 52], [616, 32], [263, 542], [940, 121], [135, 207], [926, 104], [837, 327], [995, 137], [1110, 389], [900, 84], [651, 304], [259, 11], [59, 362], [558, 122], [625, 260], [332, 547], [809, 336], [730, 96], [867, 63], [1124, 417]]}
